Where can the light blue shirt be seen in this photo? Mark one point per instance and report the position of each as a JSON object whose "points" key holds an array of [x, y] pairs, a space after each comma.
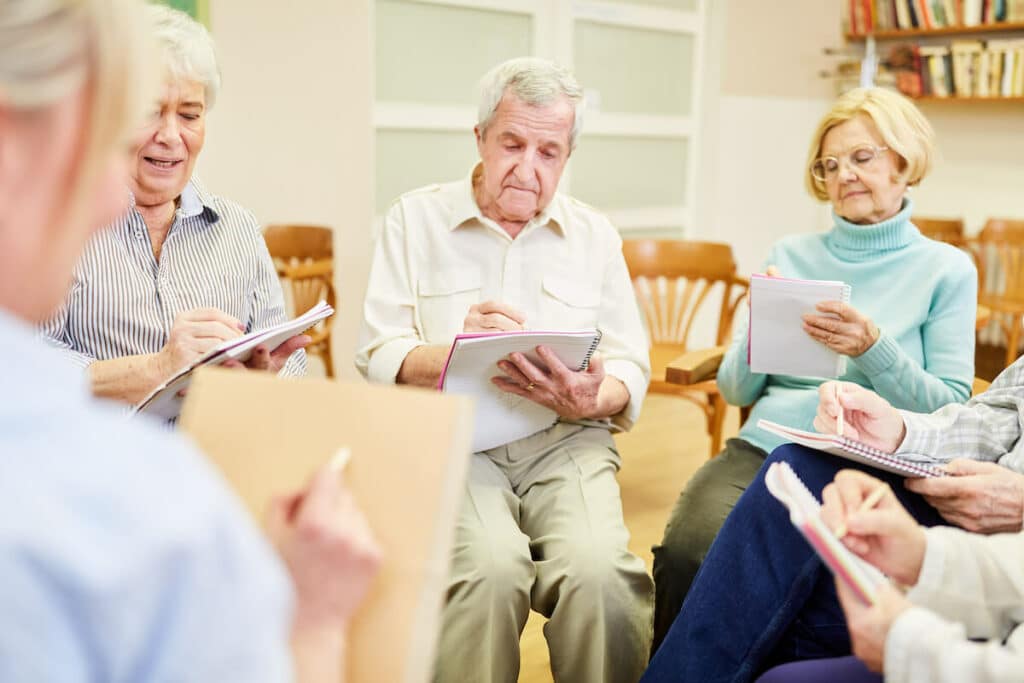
{"points": [[123, 557], [921, 294]]}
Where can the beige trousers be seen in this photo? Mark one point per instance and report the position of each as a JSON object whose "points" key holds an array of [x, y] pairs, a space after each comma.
{"points": [[542, 527]]}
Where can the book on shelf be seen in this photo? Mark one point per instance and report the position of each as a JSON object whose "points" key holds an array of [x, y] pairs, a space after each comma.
{"points": [[861, 17], [963, 68]]}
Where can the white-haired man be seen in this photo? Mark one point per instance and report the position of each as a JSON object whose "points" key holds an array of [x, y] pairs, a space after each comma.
{"points": [[542, 522], [183, 270]]}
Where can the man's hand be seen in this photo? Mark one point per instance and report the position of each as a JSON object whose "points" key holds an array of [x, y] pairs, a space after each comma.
{"points": [[328, 548], [850, 332], [272, 361], [886, 535], [493, 316], [869, 624], [868, 416], [982, 497], [194, 333], [573, 395]]}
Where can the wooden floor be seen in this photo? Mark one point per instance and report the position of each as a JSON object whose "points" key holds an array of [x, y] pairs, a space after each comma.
{"points": [[658, 456]]}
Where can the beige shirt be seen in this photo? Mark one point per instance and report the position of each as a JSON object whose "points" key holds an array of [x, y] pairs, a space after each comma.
{"points": [[438, 255]]}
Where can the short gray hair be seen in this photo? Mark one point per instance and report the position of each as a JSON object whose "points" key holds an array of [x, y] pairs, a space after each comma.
{"points": [[186, 49], [537, 82]]}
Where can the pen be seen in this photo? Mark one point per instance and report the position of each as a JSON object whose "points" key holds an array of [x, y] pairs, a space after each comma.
{"points": [[839, 418], [869, 502]]}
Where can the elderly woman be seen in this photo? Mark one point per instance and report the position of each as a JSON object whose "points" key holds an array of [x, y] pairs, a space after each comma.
{"points": [[908, 330], [122, 555], [182, 270]]}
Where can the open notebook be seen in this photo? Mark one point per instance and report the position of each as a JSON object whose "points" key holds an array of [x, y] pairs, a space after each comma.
{"points": [[502, 417], [410, 455], [165, 403], [777, 341], [805, 513], [853, 450]]}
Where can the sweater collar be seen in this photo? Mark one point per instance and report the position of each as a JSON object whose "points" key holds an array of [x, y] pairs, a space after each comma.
{"points": [[894, 233]]}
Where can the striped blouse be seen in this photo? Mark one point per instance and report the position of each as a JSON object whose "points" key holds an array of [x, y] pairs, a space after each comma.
{"points": [[123, 302]]}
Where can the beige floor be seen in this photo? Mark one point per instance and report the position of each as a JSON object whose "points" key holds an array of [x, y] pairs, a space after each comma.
{"points": [[659, 455]]}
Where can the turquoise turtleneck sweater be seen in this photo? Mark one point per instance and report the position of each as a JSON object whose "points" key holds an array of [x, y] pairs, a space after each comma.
{"points": [[922, 294]]}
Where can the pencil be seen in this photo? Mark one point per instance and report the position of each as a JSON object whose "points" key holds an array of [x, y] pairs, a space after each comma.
{"points": [[869, 502], [839, 418]]}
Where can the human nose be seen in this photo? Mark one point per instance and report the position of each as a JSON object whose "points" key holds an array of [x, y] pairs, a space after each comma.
{"points": [[846, 171], [524, 167], [166, 130]]}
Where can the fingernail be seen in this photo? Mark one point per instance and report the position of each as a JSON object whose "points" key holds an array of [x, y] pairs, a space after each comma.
{"points": [[340, 459]]}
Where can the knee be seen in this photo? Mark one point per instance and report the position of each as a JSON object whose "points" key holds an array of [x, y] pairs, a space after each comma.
{"points": [[493, 575], [595, 571], [689, 533]]}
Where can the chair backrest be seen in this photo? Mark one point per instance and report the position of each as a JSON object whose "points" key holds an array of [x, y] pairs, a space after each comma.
{"points": [[950, 230], [674, 278], [299, 243], [999, 255]]}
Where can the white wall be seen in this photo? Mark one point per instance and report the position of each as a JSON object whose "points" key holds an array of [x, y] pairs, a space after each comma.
{"points": [[291, 136]]}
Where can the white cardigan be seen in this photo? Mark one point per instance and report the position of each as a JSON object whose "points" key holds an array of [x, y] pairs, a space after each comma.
{"points": [[971, 586]]}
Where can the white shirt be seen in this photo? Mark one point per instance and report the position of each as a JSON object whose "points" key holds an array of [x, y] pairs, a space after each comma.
{"points": [[438, 255]]}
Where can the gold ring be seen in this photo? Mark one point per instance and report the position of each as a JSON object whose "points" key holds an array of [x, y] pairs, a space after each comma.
{"points": [[530, 386]]}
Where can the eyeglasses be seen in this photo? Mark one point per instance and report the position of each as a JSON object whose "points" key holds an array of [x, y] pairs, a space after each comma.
{"points": [[862, 156]]}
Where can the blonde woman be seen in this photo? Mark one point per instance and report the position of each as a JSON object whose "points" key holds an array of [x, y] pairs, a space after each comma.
{"points": [[122, 556], [908, 332]]}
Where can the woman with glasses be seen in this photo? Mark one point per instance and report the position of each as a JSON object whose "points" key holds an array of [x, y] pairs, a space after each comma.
{"points": [[908, 329]]}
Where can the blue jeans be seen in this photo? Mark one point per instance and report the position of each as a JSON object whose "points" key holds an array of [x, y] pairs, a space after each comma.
{"points": [[762, 597]]}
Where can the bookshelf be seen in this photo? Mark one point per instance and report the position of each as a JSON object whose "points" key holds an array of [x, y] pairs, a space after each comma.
{"points": [[925, 49]]}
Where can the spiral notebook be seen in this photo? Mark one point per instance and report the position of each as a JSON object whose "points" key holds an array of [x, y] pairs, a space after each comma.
{"points": [[777, 343], [805, 514], [855, 451], [502, 417]]}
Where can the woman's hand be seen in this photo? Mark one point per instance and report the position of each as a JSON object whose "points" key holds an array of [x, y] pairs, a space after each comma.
{"points": [[849, 332], [869, 624], [981, 497], [868, 416]]}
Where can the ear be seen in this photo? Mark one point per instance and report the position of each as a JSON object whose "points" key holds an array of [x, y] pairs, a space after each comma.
{"points": [[478, 135]]}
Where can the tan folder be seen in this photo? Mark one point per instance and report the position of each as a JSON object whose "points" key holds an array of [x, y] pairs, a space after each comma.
{"points": [[410, 455]]}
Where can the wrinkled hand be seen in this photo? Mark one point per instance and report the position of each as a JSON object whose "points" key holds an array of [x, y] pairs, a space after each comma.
{"points": [[328, 548], [194, 333], [271, 361], [572, 394], [868, 416], [869, 624], [886, 535], [983, 497], [493, 316], [851, 334]]}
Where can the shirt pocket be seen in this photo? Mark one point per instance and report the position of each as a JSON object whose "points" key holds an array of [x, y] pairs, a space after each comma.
{"points": [[573, 305], [443, 300]]}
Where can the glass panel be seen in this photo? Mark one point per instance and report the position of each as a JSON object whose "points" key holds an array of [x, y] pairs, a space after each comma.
{"points": [[635, 71], [408, 159], [684, 5], [437, 54], [624, 173]]}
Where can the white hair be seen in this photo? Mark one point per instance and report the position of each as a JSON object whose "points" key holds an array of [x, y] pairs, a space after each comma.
{"points": [[186, 49], [537, 82]]}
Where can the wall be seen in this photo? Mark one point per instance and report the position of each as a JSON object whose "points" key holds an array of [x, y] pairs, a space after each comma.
{"points": [[291, 135]]}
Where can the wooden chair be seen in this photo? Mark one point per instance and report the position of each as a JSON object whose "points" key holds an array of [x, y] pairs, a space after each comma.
{"points": [[949, 230], [304, 258], [673, 280], [998, 252]]}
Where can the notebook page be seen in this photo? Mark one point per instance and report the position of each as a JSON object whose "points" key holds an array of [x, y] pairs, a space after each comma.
{"points": [[502, 417], [778, 343]]}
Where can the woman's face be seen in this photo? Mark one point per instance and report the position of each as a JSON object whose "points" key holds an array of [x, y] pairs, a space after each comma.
{"points": [[169, 143], [864, 186], [41, 154]]}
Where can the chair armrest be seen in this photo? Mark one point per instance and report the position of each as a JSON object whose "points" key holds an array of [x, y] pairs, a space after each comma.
{"points": [[695, 366], [305, 270]]}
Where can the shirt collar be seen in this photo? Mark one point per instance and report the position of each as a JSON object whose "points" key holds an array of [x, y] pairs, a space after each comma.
{"points": [[465, 208], [193, 201]]}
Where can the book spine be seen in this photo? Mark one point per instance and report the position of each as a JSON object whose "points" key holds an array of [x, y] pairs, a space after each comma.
{"points": [[591, 351]]}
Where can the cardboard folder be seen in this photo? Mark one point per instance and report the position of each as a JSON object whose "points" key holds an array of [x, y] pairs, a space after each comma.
{"points": [[410, 455]]}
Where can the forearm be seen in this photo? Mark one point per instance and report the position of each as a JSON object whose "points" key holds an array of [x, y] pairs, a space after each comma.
{"points": [[422, 366], [319, 654], [128, 379], [905, 384], [738, 385]]}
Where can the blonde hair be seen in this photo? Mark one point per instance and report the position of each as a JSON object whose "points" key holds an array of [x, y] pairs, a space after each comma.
{"points": [[901, 124], [52, 49]]}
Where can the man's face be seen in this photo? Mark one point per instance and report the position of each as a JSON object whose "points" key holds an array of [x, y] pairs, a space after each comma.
{"points": [[523, 151], [169, 143]]}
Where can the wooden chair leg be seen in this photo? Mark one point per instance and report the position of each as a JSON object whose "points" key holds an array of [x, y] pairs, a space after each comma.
{"points": [[328, 362], [715, 421]]}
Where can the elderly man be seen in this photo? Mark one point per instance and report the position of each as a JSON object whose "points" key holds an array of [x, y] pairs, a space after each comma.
{"points": [[183, 270], [542, 523]]}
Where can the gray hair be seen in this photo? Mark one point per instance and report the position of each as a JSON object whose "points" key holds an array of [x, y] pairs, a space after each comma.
{"points": [[537, 82], [186, 49]]}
